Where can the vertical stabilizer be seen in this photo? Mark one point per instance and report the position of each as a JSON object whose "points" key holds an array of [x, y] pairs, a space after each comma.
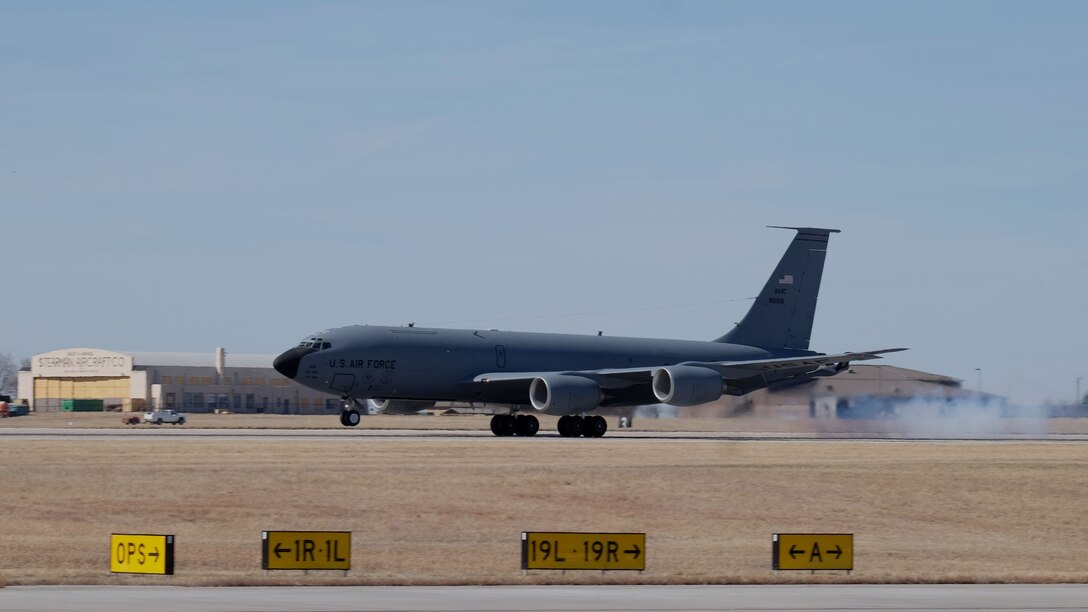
{"points": [[781, 317]]}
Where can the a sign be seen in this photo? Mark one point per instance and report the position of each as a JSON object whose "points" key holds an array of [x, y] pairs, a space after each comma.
{"points": [[583, 551], [813, 551], [141, 554], [81, 362], [306, 550]]}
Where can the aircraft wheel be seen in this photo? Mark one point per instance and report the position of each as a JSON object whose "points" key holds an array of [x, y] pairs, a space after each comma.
{"points": [[564, 426], [576, 426], [350, 418], [504, 425], [527, 425], [595, 426]]}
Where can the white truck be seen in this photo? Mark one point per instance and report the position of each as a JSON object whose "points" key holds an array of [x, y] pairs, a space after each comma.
{"points": [[158, 417]]}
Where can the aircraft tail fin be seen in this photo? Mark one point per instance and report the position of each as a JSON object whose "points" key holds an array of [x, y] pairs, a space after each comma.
{"points": [[781, 317]]}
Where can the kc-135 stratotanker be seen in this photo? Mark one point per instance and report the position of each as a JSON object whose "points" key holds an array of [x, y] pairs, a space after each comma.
{"points": [[406, 369]]}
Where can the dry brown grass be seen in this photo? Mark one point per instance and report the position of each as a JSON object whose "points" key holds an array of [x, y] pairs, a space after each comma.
{"points": [[450, 511]]}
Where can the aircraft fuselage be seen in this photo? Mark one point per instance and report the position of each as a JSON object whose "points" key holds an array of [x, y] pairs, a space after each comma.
{"points": [[440, 364]]}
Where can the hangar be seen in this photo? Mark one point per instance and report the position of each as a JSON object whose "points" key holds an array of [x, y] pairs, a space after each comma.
{"points": [[190, 382]]}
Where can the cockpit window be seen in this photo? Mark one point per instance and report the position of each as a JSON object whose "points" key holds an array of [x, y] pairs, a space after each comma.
{"points": [[315, 343]]}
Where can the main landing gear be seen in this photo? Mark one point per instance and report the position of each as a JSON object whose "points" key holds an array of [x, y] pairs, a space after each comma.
{"points": [[570, 426], [514, 425]]}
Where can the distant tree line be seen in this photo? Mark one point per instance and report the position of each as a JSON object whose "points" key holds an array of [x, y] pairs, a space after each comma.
{"points": [[9, 373]]}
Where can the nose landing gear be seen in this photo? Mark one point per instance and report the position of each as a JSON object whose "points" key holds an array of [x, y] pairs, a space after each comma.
{"points": [[349, 413]]}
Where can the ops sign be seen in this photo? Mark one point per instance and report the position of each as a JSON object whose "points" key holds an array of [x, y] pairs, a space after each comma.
{"points": [[583, 551], [141, 554]]}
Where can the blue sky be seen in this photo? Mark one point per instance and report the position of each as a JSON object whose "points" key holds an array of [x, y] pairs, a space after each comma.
{"points": [[177, 177]]}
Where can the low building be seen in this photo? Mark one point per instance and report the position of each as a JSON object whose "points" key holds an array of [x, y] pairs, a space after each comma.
{"points": [[190, 382]]}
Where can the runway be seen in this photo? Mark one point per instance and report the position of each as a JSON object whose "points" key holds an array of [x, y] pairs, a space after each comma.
{"points": [[859, 598], [173, 433]]}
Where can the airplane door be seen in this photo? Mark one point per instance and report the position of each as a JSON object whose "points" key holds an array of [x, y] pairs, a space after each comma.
{"points": [[500, 356], [342, 382]]}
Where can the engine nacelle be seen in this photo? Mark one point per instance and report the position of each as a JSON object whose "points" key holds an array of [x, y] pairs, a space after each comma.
{"points": [[559, 394], [680, 385], [392, 406]]}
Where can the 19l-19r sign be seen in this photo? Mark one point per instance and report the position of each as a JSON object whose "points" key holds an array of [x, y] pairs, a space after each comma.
{"points": [[583, 551]]}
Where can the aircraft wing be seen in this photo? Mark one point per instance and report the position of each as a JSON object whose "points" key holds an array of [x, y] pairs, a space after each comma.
{"points": [[767, 369], [737, 369]]}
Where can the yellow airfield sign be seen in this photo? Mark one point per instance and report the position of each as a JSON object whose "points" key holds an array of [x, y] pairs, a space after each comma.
{"points": [[583, 551], [141, 554], [306, 550], [813, 551]]}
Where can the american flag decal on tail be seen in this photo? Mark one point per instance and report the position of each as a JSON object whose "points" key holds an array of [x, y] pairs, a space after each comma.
{"points": [[787, 279]]}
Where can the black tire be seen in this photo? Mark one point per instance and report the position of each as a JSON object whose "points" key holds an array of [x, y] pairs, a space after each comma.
{"points": [[158, 421], [503, 425], [352, 418], [576, 426], [527, 425], [595, 426], [508, 425], [564, 426]]}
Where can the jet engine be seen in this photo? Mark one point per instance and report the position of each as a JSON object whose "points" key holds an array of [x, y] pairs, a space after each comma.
{"points": [[391, 406], [559, 394], [680, 385]]}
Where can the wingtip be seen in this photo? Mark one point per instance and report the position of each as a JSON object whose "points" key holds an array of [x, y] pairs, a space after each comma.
{"points": [[818, 230]]}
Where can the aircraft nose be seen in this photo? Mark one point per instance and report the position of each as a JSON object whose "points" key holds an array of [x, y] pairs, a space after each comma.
{"points": [[288, 362]]}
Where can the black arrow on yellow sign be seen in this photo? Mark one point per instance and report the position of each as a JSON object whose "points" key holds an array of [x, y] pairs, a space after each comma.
{"points": [[794, 551], [154, 554], [279, 551], [837, 551], [633, 551]]}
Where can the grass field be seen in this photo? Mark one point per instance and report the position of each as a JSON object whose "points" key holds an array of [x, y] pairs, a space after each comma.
{"points": [[441, 511]]}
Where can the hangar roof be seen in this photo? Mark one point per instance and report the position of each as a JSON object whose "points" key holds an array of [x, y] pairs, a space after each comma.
{"points": [[200, 360]]}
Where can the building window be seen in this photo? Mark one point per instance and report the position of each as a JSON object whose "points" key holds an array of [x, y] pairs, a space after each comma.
{"points": [[171, 400]]}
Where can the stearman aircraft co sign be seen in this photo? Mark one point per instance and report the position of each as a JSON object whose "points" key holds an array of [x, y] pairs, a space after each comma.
{"points": [[812, 551], [306, 550], [81, 362], [583, 551]]}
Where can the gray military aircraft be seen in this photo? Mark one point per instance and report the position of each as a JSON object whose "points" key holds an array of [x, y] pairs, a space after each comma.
{"points": [[406, 369]]}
